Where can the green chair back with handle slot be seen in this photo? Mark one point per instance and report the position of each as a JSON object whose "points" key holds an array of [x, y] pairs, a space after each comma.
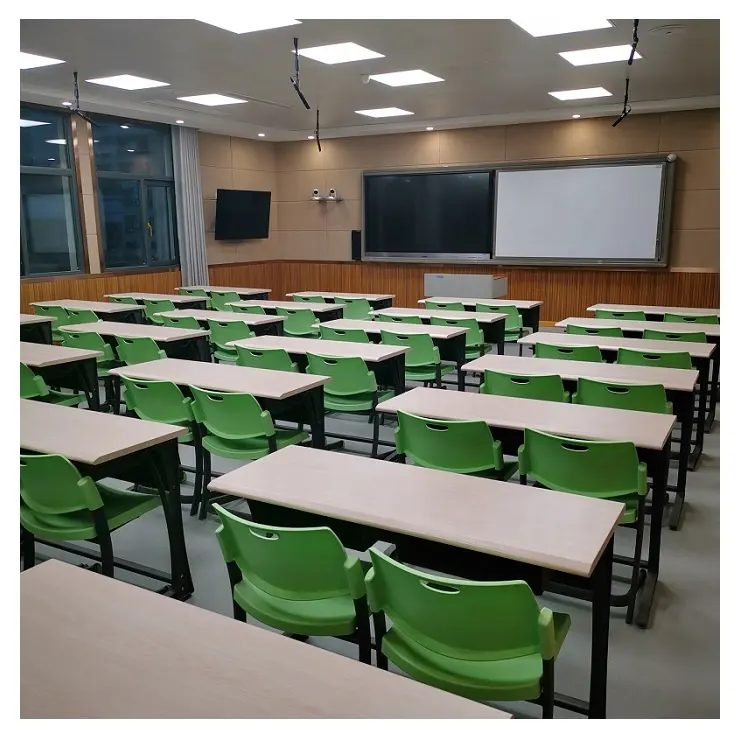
{"points": [[200, 293], [513, 329], [475, 345], [454, 446], [355, 335], [480, 640], [355, 308], [92, 342], [76, 317], [422, 361], [138, 350], [33, 386], [223, 331], [124, 300], [296, 580], [309, 298], [674, 359], [454, 305], [276, 359], [517, 385], [679, 318], [691, 337], [620, 314], [249, 309], [579, 330], [58, 503], [575, 353], [222, 300], [153, 307], [59, 314], [182, 321], [299, 322], [629, 396], [236, 427], [414, 319]]}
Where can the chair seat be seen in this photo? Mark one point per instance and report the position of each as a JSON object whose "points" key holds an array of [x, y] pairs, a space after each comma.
{"points": [[428, 372], [331, 616], [63, 399], [251, 448], [475, 352], [303, 334], [361, 402], [512, 335]]}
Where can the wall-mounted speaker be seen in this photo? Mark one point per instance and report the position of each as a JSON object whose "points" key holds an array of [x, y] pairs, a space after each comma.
{"points": [[356, 245]]}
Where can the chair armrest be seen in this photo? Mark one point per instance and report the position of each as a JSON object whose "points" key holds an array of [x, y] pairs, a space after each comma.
{"points": [[523, 460], [642, 479], [498, 456], [546, 631], [354, 576]]}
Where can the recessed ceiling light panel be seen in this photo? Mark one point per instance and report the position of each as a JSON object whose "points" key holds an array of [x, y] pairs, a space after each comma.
{"points": [[56, 142], [381, 112], [30, 61], [406, 77], [32, 123], [334, 54], [246, 25], [600, 55], [575, 95], [127, 82], [559, 25], [212, 99]]}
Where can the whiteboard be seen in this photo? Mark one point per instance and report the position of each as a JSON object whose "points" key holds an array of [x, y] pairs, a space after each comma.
{"points": [[583, 213]]}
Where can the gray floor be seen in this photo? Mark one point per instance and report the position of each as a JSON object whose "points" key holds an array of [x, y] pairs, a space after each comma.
{"points": [[670, 670]]}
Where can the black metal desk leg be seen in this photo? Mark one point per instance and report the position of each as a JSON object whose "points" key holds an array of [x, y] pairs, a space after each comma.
{"points": [[458, 348], [88, 371], [398, 373], [715, 374], [500, 332], [601, 582], [685, 415], [316, 413], [704, 371]]}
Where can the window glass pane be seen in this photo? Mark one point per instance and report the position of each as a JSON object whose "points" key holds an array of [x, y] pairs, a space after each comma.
{"points": [[161, 223], [48, 225], [134, 147], [44, 138], [120, 210]]}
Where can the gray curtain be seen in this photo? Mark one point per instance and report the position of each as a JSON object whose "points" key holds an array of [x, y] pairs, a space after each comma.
{"points": [[192, 244]]}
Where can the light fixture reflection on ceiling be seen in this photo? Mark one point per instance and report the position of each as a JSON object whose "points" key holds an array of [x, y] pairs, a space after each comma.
{"points": [[212, 99], [127, 82], [31, 61], [247, 24], [575, 95], [334, 54]]}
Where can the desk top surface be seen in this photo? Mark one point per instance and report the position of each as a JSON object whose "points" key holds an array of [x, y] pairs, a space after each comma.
{"points": [[138, 330], [199, 314], [642, 325], [228, 378], [544, 528], [567, 369], [89, 642], [101, 307], [448, 314], [697, 350], [48, 355], [316, 307], [524, 304], [657, 309], [375, 326], [88, 437], [174, 298], [345, 295], [239, 290], [27, 319], [299, 345], [645, 430]]}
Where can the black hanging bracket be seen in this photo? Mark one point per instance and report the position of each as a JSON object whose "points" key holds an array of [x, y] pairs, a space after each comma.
{"points": [[626, 106], [75, 108], [295, 79], [317, 129]]}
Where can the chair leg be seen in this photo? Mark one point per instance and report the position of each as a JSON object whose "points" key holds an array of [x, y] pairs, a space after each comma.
{"points": [[375, 432], [636, 575], [547, 698], [28, 546], [378, 621], [104, 543], [206, 478], [117, 394], [363, 635], [199, 474]]}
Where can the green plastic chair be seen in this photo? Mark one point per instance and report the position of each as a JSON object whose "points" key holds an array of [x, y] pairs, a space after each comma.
{"points": [[535, 387], [138, 350], [124, 300], [603, 470], [575, 353], [297, 580], [693, 337], [475, 345], [355, 335], [594, 331], [351, 389], [58, 503], [422, 360], [676, 318], [223, 331], [513, 329], [236, 427], [444, 305], [309, 298], [153, 307], [248, 309], [276, 359], [199, 293], [76, 317], [485, 640], [676, 359], [411, 319], [454, 446], [629, 396], [222, 300], [107, 361], [620, 314], [34, 387], [299, 322], [184, 321], [356, 308], [60, 318]]}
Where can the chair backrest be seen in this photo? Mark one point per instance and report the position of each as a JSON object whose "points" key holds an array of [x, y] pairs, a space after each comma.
{"points": [[415, 319], [536, 387], [157, 306], [51, 484], [157, 400], [276, 359], [454, 446], [513, 319], [32, 386], [222, 331], [193, 292], [678, 318], [594, 331], [297, 321], [459, 619], [138, 350], [184, 321], [421, 350], [88, 340], [691, 337], [55, 311], [81, 316], [355, 308], [676, 359], [222, 300], [630, 396], [597, 469], [430, 305], [250, 309], [309, 298], [576, 353], [230, 415], [349, 375], [356, 335], [620, 314], [473, 332], [124, 300], [294, 563]]}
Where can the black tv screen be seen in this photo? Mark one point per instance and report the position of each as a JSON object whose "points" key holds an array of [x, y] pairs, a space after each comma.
{"points": [[434, 214], [242, 215]]}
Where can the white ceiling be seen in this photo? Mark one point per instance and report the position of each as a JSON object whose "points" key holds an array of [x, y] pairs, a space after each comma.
{"points": [[495, 73]]}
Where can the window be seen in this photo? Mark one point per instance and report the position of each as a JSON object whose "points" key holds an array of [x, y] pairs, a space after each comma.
{"points": [[50, 230], [136, 197]]}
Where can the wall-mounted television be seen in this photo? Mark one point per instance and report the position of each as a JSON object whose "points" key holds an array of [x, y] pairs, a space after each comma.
{"points": [[242, 215]]}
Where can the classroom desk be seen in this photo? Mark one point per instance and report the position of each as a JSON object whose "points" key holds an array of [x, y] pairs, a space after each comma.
{"points": [[387, 362], [259, 324], [679, 385], [376, 301], [450, 341], [61, 366], [105, 446], [114, 311], [291, 396], [493, 325], [179, 343], [322, 312], [90, 644], [176, 299], [656, 312], [529, 310], [36, 329], [245, 293], [509, 417], [501, 530]]}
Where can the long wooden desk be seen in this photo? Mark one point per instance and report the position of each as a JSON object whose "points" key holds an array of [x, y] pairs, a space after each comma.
{"points": [[387, 362], [652, 311], [180, 343], [325, 311], [114, 311], [106, 446], [529, 310], [516, 531], [376, 301], [291, 395], [509, 417], [244, 292], [36, 329], [176, 299], [89, 645], [61, 366], [259, 324]]}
